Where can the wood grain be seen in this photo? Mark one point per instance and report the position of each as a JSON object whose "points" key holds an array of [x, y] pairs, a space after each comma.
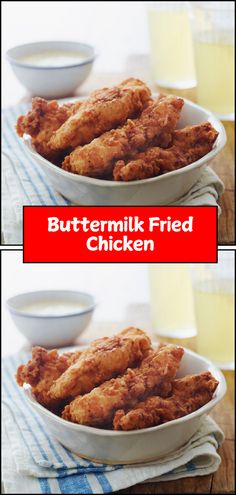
{"points": [[199, 484]]}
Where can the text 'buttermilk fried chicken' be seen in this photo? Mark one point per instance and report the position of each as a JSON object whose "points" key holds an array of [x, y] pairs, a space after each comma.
{"points": [[97, 158], [188, 394], [188, 145], [41, 371], [106, 358], [103, 110], [42, 120], [99, 406]]}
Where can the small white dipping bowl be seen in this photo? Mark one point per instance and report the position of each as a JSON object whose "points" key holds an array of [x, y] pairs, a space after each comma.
{"points": [[51, 330], [139, 446], [161, 190], [52, 81]]}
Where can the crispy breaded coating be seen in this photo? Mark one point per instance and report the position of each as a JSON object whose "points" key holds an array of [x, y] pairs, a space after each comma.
{"points": [[42, 120], [188, 145], [99, 406], [106, 358], [188, 394], [103, 110], [97, 158], [41, 371]]}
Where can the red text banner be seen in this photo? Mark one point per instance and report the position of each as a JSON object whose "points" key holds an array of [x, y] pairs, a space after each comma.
{"points": [[120, 234]]}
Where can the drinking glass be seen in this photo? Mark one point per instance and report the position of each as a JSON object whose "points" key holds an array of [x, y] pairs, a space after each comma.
{"points": [[171, 300], [213, 289], [171, 47], [213, 41]]}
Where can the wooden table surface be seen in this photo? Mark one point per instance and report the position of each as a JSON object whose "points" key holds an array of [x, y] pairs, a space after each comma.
{"points": [[222, 164], [223, 480]]}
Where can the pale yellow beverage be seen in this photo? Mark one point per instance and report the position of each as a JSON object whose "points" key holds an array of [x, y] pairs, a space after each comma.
{"points": [[215, 74], [171, 300], [214, 307], [171, 46], [213, 35]]}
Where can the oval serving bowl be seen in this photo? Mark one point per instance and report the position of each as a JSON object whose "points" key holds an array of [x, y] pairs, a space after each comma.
{"points": [[139, 446], [162, 190]]}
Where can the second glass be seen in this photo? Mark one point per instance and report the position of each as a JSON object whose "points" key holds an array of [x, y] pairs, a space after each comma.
{"points": [[214, 309], [213, 41]]}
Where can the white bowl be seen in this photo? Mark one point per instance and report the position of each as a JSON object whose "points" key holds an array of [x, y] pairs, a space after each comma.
{"points": [[116, 447], [51, 82], [51, 330], [161, 190]]}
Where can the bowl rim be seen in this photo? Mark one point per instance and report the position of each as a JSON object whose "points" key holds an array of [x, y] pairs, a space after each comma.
{"points": [[20, 313], [218, 145], [219, 394], [14, 61]]}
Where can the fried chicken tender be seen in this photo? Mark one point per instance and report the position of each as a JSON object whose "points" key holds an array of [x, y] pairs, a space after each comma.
{"points": [[41, 371], [188, 394], [99, 406], [40, 123], [97, 158], [106, 358], [188, 145], [105, 109]]}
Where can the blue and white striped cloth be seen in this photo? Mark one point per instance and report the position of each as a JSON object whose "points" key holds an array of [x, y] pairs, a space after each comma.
{"points": [[34, 462], [24, 183], [32, 182]]}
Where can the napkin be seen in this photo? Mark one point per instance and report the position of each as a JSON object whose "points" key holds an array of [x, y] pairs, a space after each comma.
{"points": [[206, 192], [35, 462]]}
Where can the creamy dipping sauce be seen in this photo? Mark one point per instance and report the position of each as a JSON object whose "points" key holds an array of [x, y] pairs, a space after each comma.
{"points": [[53, 308], [53, 58]]}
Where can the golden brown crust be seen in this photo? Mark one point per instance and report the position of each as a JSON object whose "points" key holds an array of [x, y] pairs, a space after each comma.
{"points": [[106, 358], [103, 110], [40, 372], [118, 133], [97, 158], [188, 145], [41, 121], [188, 394], [99, 406], [145, 395]]}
